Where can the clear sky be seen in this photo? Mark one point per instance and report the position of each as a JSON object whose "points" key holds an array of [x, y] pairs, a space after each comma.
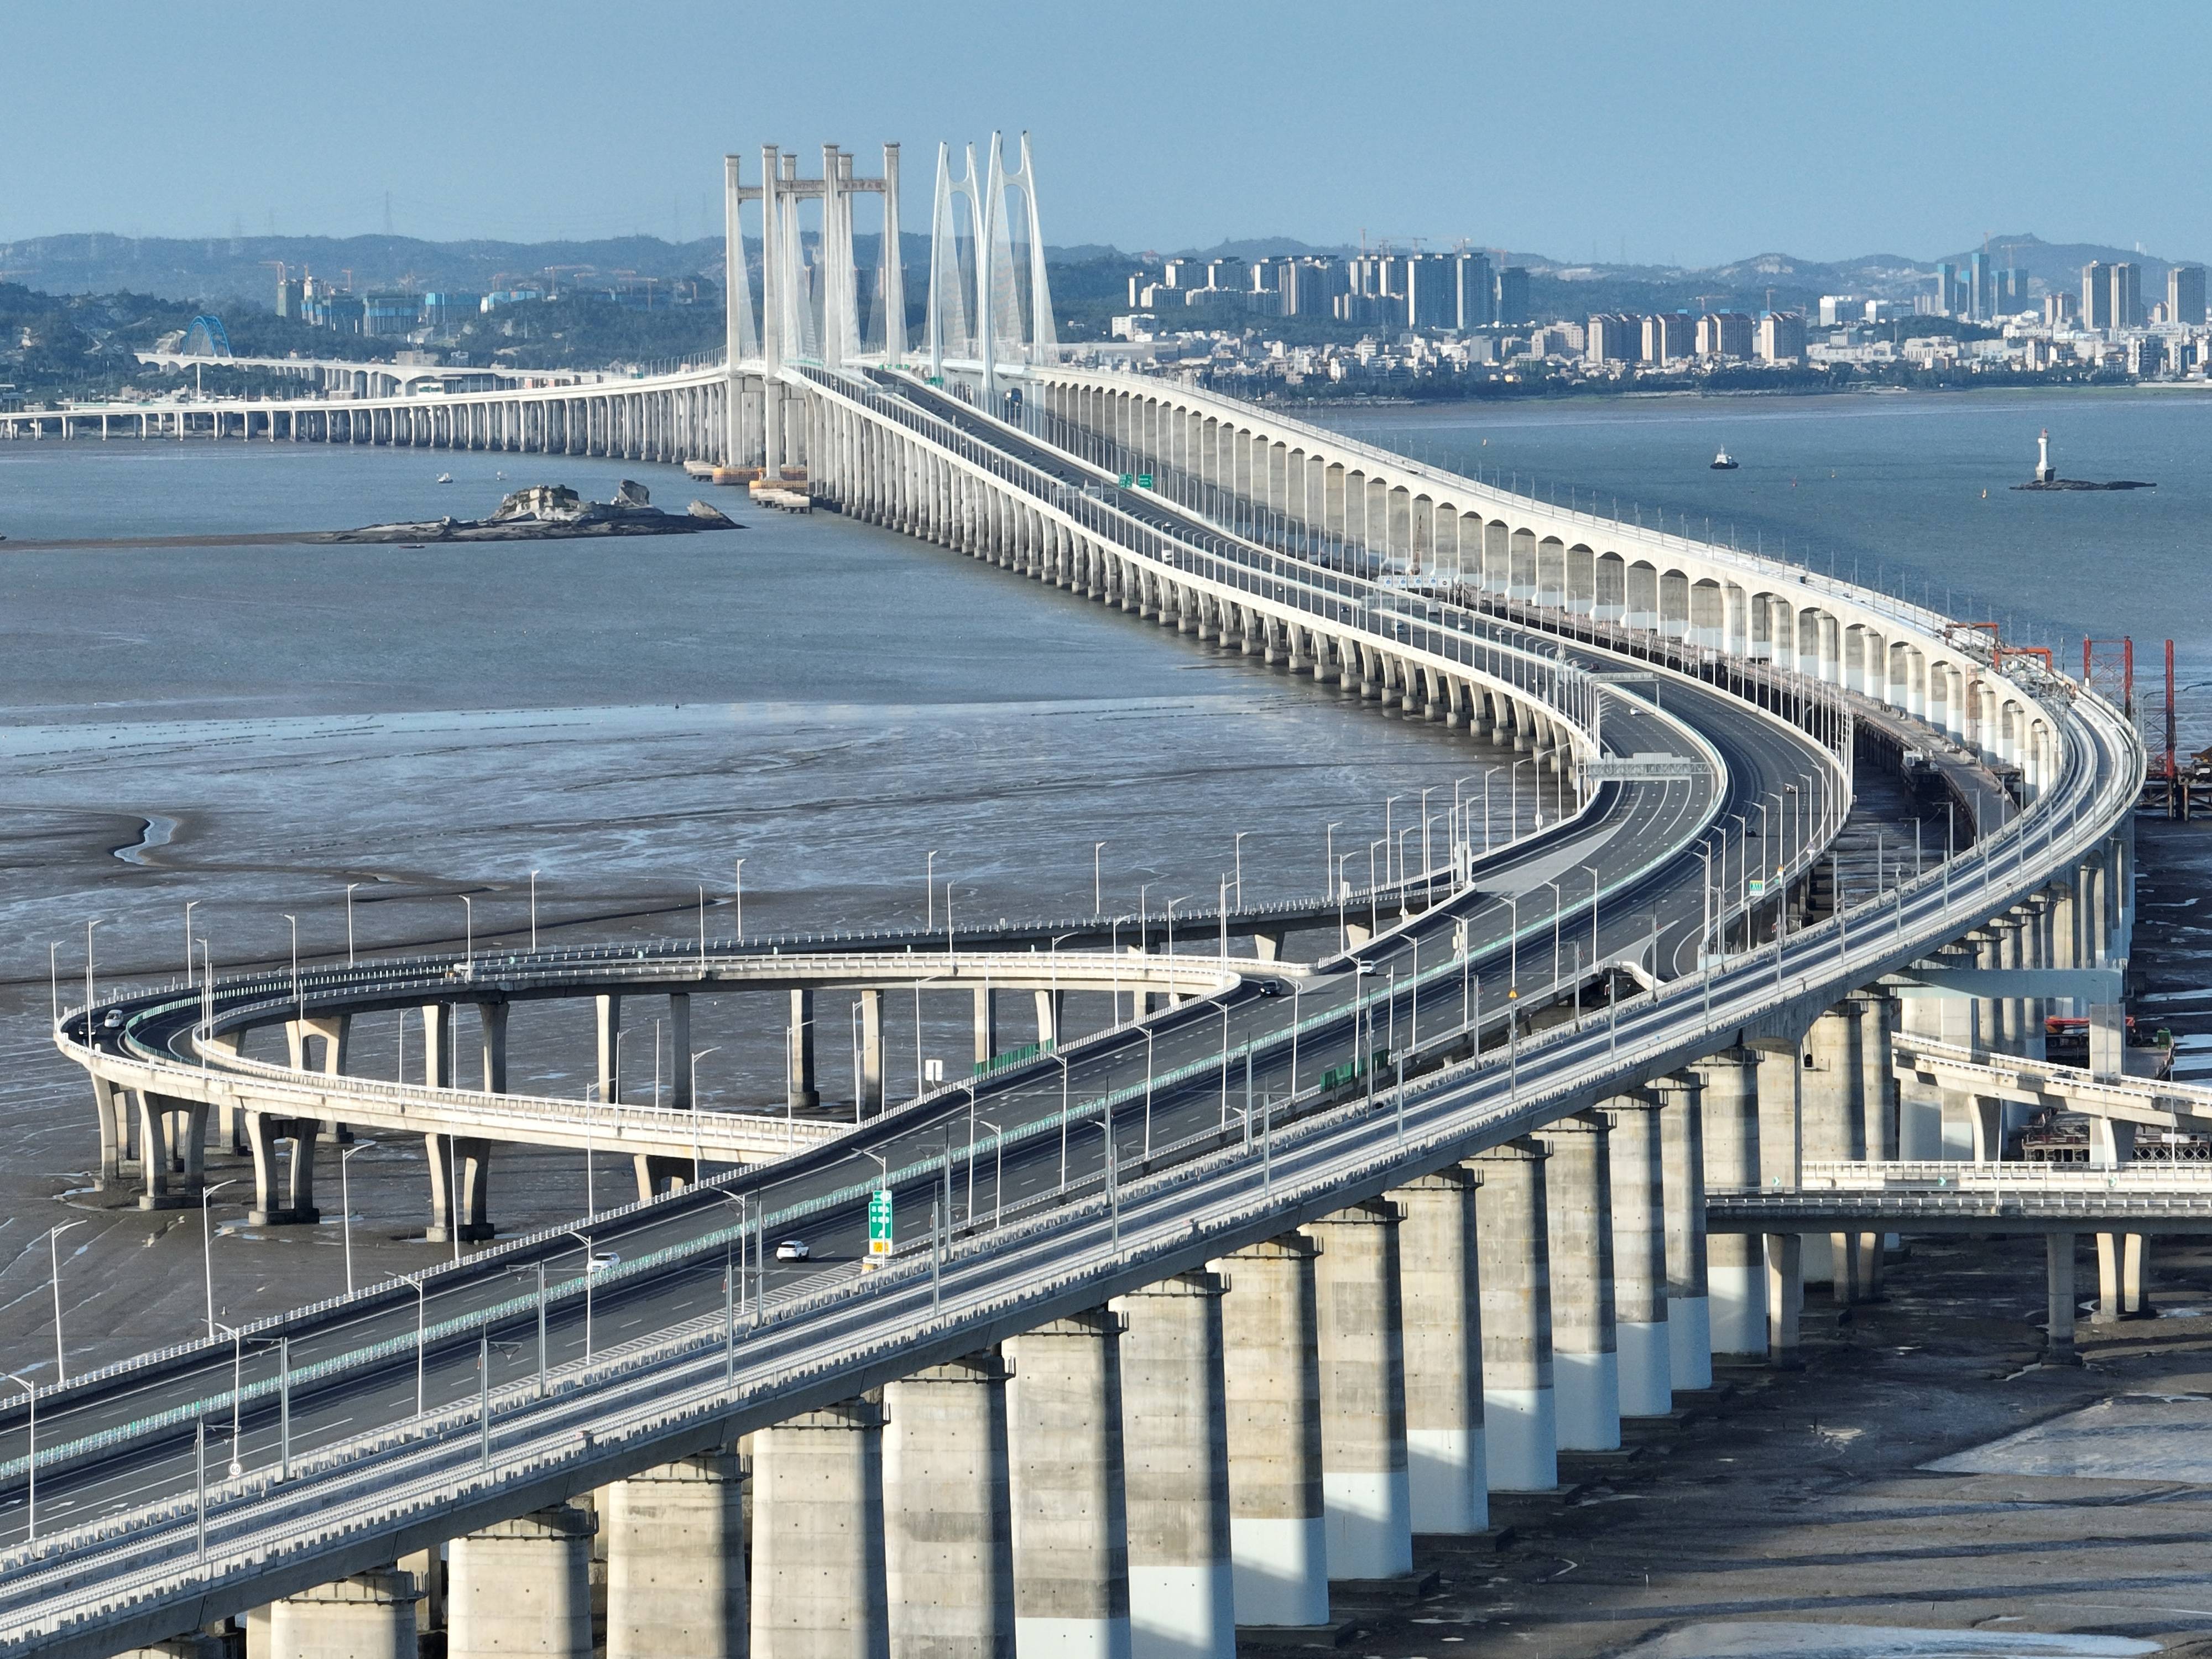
{"points": [[1653, 129]]}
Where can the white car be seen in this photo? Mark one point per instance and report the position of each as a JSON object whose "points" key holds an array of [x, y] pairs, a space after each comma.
{"points": [[792, 1250]]}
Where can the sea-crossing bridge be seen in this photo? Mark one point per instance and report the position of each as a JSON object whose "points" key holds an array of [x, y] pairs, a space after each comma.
{"points": [[1252, 1266]]}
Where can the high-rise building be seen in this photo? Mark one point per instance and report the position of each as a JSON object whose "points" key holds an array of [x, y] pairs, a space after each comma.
{"points": [[2060, 308], [1669, 337], [1981, 288], [2097, 294], [2126, 295], [1431, 291], [1512, 304], [2012, 290], [1781, 336], [1613, 338], [1477, 305], [1947, 290], [2185, 295], [1308, 288], [1726, 334]]}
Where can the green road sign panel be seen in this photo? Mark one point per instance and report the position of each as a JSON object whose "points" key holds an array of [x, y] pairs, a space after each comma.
{"points": [[1144, 480], [1127, 480], [879, 1223]]}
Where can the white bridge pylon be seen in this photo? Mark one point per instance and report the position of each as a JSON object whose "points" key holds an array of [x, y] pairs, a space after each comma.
{"points": [[986, 309]]}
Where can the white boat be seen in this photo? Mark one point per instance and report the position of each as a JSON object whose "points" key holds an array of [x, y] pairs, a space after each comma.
{"points": [[444, 477], [1724, 462]]}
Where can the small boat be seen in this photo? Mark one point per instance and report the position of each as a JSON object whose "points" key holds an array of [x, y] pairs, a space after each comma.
{"points": [[444, 477], [1724, 462]]}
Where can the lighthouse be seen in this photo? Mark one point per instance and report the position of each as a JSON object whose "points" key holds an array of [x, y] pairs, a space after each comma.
{"points": [[2045, 472]]}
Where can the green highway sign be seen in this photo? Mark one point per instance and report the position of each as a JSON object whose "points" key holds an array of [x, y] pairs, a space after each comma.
{"points": [[879, 1223], [1144, 480], [1127, 480]]}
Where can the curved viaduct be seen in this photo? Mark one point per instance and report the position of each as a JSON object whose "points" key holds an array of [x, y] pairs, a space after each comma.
{"points": [[1328, 1252]]}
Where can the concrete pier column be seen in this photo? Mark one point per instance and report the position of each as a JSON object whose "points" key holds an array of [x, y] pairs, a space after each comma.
{"points": [[1360, 1321], [679, 1050], [1682, 1150], [154, 1154], [2122, 1276], [369, 1615], [986, 1024], [1781, 1116], [871, 1053], [1048, 1018], [460, 1187], [818, 1586], [1579, 1211], [1832, 1088], [522, 1586], [1272, 1377], [1440, 1287], [1519, 1414], [1785, 1295], [1639, 1257], [676, 1569], [2059, 1308], [798, 1083], [1734, 1267], [492, 1046], [1175, 1452], [1071, 1534], [948, 1538], [438, 1045], [607, 1012]]}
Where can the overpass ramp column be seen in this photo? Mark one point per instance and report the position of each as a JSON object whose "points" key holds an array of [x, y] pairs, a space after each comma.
{"points": [[948, 1539], [1734, 1271], [1440, 1288], [1578, 1218], [460, 1188], [1831, 1089], [522, 1586], [679, 1050], [871, 1053], [1071, 1539], [292, 1200], [1639, 1257], [437, 1045], [491, 1039], [1682, 1151], [370, 1615], [607, 1011], [1271, 1378], [799, 1088], [818, 1585], [1519, 1416], [1360, 1324], [986, 1024], [2058, 1285], [1174, 1436]]}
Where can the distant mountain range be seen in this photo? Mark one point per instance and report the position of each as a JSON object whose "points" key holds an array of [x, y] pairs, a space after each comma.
{"points": [[223, 270]]}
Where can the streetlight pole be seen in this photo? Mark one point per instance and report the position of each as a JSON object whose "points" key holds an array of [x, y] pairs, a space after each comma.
{"points": [[345, 1203], [1097, 881], [740, 896], [469, 929], [1389, 801], [54, 1263], [1238, 846], [533, 910], [929, 891], [31, 1457], [299, 999], [1329, 867], [586, 1242], [89, 926], [349, 957], [697, 1163], [207, 1250], [192, 905]]}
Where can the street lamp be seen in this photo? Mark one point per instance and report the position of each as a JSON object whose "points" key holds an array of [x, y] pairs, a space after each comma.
{"points": [[469, 926], [345, 1203], [299, 1000], [237, 1388], [740, 894], [1329, 867], [697, 1166], [534, 911], [89, 926], [352, 885], [997, 1168], [207, 1246], [1172, 902], [1097, 881], [586, 1242], [31, 1457], [1388, 803], [192, 905], [1237, 846], [54, 1263], [929, 891]]}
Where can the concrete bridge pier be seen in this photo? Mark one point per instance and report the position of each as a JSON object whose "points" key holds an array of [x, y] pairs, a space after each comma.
{"points": [[438, 1045], [948, 1540], [676, 1569], [522, 1586], [460, 1188], [1359, 1321], [1174, 1449], [2122, 1275], [1682, 1153], [1271, 1378], [1519, 1413], [870, 1029], [1734, 1272], [1071, 1536], [1831, 1089], [818, 1585], [1641, 1341], [292, 1200], [492, 1046], [800, 1085], [1578, 1218], [607, 1016], [1440, 1283], [369, 1615], [986, 1024], [2059, 1299]]}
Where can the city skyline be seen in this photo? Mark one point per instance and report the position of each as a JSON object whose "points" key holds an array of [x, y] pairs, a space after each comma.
{"points": [[1189, 116]]}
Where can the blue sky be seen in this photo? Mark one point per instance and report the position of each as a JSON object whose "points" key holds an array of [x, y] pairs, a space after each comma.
{"points": [[1663, 133]]}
